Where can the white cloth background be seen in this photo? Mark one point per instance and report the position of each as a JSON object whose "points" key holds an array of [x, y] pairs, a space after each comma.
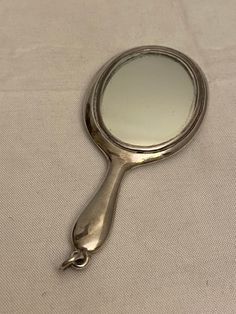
{"points": [[173, 245]]}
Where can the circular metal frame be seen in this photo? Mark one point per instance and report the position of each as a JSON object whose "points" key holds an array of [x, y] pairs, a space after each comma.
{"points": [[133, 154]]}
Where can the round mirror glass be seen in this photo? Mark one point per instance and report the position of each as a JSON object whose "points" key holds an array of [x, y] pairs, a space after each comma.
{"points": [[148, 100]]}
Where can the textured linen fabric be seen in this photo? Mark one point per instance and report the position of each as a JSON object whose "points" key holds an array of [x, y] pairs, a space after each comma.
{"points": [[173, 245]]}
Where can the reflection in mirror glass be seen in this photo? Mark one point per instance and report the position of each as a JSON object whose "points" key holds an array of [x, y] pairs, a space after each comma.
{"points": [[148, 100]]}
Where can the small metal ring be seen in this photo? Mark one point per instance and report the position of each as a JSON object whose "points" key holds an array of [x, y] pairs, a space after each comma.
{"points": [[78, 259]]}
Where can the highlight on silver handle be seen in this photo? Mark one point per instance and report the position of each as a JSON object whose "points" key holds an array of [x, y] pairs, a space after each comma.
{"points": [[94, 223]]}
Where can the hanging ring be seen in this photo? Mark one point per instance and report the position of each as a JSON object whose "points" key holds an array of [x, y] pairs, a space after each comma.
{"points": [[78, 260]]}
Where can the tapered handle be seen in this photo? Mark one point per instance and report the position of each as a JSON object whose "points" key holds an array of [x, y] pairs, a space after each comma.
{"points": [[94, 223]]}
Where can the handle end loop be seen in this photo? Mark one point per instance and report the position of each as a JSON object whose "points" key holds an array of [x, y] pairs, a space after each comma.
{"points": [[77, 260]]}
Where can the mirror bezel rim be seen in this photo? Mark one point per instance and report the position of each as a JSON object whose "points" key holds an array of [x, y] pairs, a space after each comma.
{"points": [[111, 145]]}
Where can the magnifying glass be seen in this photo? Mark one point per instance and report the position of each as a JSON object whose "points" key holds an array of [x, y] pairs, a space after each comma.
{"points": [[145, 105]]}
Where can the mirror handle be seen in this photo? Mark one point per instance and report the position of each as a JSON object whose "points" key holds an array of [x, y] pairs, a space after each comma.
{"points": [[94, 223]]}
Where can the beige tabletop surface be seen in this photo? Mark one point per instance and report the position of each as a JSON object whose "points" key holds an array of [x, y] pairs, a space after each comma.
{"points": [[173, 245]]}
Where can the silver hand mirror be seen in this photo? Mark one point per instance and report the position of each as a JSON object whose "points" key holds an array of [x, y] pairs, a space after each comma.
{"points": [[144, 105]]}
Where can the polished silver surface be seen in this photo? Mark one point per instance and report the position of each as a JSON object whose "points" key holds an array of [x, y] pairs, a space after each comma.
{"points": [[94, 223]]}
